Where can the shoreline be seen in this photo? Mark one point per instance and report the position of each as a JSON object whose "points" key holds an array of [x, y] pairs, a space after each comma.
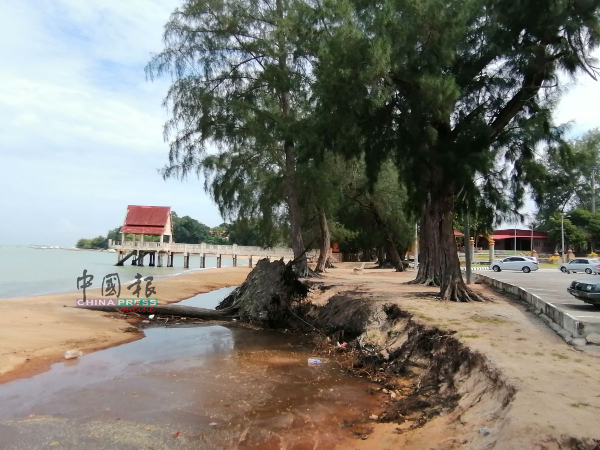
{"points": [[38, 329]]}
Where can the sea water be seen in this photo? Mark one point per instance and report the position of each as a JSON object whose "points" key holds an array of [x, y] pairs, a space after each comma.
{"points": [[26, 271]]}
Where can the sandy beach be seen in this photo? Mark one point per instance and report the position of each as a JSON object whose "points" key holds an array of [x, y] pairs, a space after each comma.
{"points": [[36, 331]]}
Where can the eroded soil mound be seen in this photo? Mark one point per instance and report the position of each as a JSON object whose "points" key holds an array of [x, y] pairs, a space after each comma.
{"points": [[426, 371]]}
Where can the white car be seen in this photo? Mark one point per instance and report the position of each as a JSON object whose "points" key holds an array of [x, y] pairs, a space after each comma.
{"points": [[515, 263], [586, 265]]}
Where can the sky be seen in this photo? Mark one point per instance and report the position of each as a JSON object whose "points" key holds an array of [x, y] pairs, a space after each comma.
{"points": [[81, 127]]}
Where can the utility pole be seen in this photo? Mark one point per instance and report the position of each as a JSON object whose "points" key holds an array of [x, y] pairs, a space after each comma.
{"points": [[592, 243], [531, 238], [562, 234], [594, 189], [467, 239], [515, 240]]}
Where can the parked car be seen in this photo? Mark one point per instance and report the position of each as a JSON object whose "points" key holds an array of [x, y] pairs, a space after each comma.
{"points": [[586, 290], [515, 263], [586, 265]]}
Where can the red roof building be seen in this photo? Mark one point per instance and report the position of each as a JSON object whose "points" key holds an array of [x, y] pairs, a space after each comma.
{"points": [[148, 220], [525, 240]]}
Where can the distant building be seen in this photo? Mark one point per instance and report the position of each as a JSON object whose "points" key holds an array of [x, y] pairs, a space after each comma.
{"points": [[505, 240], [148, 220]]}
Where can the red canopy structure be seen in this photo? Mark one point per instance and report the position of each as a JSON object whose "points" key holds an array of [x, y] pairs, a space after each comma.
{"points": [[148, 220], [510, 233]]}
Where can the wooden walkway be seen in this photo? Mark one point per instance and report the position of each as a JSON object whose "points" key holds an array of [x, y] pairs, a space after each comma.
{"points": [[158, 250]]}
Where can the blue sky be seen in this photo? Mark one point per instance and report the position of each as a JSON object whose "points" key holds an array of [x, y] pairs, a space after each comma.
{"points": [[81, 128]]}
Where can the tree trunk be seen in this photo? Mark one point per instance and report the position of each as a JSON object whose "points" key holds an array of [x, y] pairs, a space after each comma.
{"points": [[390, 247], [325, 241], [301, 265], [380, 255], [392, 254], [438, 256]]}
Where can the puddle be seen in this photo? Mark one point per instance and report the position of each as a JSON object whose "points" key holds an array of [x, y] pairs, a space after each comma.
{"points": [[254, 387], [209, 300]]}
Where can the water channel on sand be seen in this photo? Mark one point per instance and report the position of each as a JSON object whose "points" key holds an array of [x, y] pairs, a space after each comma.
{"points": [[203, 386]]}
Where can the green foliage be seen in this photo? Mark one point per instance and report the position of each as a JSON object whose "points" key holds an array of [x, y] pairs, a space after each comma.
{"points": [[567, 182], [575, 238], [458, 92], [368, 211], [99, 242], [249, 232], [114, 234], [238, 87], [190, 231]]}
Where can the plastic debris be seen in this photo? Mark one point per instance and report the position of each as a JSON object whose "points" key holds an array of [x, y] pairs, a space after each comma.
{"points": [[213, 424], [151, 316], [484, 431], [343, 344], [72, 354], [176, 434], [374, 417], [314, 361]]}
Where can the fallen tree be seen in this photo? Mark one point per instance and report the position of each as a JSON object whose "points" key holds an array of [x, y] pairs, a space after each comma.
{"points": [[263, 299]]}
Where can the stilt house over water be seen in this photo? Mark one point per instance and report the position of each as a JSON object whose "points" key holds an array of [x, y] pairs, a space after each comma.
{"points": [[148, 220]]}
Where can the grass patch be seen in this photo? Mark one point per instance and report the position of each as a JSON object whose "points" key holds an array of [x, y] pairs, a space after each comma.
{"points": [[469, 336], [559, 356], [424, 317], [579, 405], [538, 354], [489, 320]]}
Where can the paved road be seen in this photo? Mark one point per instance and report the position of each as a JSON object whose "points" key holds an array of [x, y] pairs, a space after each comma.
{"points": [[551, 285]]}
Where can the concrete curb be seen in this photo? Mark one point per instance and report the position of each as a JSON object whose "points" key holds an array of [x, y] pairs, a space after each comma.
{"points": [[560, 321]]}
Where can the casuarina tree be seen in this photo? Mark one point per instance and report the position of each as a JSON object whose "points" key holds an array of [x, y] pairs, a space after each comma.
{"points": [[237, 86], [459, 92]]}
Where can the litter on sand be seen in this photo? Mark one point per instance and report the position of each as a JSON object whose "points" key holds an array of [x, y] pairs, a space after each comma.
{"points": [[72, 354]]}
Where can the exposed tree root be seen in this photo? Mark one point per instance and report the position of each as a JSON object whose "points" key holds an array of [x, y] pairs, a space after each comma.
{"points": [[459, 292], [266, 298]]}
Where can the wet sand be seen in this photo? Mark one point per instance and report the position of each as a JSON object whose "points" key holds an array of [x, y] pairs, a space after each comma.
{"points": [[36, 331], [206, 386]]}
